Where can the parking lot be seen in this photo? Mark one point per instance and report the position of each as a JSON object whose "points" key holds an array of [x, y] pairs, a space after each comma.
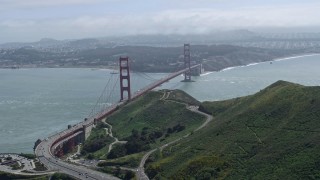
{"points": [[14, 163]]}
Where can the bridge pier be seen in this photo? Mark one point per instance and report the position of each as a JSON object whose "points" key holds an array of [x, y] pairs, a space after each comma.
{"points": [[196, 71], [187, 63], [86, 131], [68, 144], [59, 151], [71, 144], [124, 77]]}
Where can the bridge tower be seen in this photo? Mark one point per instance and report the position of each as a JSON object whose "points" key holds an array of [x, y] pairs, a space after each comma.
{"points": [[124, 77], [187, 74]]}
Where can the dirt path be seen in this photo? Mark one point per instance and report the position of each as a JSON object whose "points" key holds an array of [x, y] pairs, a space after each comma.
{"points": [[140, 171], [75, 154], [166, 95], [116, 140], [255, 134]]}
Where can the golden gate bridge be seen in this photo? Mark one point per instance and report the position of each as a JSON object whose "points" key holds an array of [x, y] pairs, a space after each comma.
{"points": [[57, 145]]}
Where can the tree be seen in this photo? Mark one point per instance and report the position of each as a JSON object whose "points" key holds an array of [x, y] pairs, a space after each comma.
{"points": [[90, 156], [129, 175], [117, 151]]}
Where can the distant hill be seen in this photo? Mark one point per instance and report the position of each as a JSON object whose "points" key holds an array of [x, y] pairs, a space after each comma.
{"points": [[157, 40], [273, 134], [142, 58], [160, 53]]}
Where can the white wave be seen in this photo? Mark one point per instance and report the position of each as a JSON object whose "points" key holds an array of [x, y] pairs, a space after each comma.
{"points": [[294, 57], [206, 73], [10, 102], [101, 69], [252, 64], [280, 59], [234, 67], [228, 68]]}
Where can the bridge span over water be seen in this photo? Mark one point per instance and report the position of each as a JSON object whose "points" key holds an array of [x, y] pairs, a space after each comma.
{"points": [[50, 149]]}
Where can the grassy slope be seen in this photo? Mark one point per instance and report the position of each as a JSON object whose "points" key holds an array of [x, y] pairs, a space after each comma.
{"points": [[273, 134], [98, 135], [181, 96], [151, 112], [8, 176], [148, 111]]}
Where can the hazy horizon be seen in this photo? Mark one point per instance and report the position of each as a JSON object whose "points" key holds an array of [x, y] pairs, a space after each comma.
{"points": [[22, 21]]}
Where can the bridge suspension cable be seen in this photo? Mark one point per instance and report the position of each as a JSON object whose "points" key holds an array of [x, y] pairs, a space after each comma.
{"points": [[105, 98], [146, 76]]}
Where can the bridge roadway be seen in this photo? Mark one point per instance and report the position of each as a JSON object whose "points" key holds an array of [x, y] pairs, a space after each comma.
{"points": [[43, 152], [44, 149], [66, 139], [161, 81]]}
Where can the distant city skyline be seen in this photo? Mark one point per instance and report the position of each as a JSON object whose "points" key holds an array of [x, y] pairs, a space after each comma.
{"points": [[31, 20]]}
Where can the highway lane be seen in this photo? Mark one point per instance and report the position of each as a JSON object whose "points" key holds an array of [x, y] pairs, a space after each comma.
{"points": [[43, 152]]}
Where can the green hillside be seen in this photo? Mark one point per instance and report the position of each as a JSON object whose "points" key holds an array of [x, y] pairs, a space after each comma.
{"points": [[156, 118], [9, 176], [154, 114], [273, 134]]}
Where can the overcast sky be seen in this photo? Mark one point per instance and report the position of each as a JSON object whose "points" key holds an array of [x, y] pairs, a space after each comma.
{"points": [[31, 20]]}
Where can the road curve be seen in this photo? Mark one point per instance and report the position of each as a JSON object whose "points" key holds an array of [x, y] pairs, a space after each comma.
{"points": [[140, 171], [43, 152]]}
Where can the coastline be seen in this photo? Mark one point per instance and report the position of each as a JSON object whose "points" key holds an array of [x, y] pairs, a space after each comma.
{"points": [[273, 60], [110, 68], [294, 57]]}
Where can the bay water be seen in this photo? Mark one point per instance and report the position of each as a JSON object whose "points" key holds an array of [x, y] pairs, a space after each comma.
{"points": [[35, 103]]}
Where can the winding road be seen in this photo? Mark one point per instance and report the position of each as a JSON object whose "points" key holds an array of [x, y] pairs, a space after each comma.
{"points": [[140, 171], [44, 154]]}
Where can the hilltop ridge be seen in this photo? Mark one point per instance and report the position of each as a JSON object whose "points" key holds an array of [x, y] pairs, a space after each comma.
{"points": [[272, 134]]}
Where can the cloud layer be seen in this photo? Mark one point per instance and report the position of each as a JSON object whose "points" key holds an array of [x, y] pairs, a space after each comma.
{"points": [[174, 21], [42, 3]]}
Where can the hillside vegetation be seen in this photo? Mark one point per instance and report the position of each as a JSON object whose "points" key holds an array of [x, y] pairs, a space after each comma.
{"points": [[151, 120], [8, 176], [149, 112], [273, 134]]}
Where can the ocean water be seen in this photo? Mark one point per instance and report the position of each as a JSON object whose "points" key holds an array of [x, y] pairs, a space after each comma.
{"points": [[35, 103], [241, 81]]}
